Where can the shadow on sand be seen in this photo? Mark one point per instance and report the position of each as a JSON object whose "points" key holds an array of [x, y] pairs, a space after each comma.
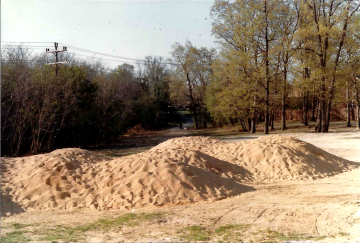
{"points": [[8, 206]]}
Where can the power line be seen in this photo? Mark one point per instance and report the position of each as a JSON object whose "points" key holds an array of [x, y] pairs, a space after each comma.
{"points": [[25, 42], [97, 57], [81, 49], [24, 47], [99, 53], [103, 54]]}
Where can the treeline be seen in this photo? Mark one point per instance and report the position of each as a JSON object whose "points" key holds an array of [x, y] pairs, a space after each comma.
{"points": [[273, 55], [84, 105], [271, 50]]}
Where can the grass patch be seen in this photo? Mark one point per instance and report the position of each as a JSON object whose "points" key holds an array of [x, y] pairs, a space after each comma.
{"points": [[129, 219], [343, 234], [77, 233], [15, 236], [231, 232], [61, 233], [274, 236], [194, 233], [20, 226], [238, 232]]}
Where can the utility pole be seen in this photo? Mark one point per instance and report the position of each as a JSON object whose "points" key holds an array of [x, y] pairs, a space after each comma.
{"points": [[56, 51]]}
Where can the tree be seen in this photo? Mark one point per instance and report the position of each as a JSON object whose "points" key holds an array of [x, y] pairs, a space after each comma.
{"points": [[289, 17], [328, 23], [193, 67], [351, 68], [249, 32]]}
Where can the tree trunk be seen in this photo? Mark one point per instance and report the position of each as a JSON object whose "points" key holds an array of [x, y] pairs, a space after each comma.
{"points": [[243, 125], [249, 123], [358, 113], [323, 114], [348, 118], [328, 116], [313, 108], [195, 117], [253, 123], [267, 87], [266, 126], [318, 126], [283, 101], [193, 106], [357, 101], [253, 117], [305, 109], [204, 118], [332, 87]]}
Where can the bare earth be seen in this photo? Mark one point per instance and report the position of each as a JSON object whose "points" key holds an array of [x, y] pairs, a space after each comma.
{"points": [[325, 210]]}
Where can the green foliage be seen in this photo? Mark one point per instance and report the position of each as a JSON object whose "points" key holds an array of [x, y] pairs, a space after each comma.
{"points": [[274, 236], [232, 232], [19, 226], [15, 236], [194, 233], [274, 49], [76, 233]]}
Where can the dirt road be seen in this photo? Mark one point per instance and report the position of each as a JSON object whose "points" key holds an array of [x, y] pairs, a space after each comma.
{"points": [[321, 210]]}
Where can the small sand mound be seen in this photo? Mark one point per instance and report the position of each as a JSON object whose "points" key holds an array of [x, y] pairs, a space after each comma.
{"points": [[270, 158], [46, 180], [274, 158]]}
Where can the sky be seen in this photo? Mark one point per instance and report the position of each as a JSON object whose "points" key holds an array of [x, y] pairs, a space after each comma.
{"points": [[131, 28]]}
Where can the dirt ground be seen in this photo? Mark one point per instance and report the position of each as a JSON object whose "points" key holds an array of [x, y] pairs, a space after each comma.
{"points": [[325, 210]]}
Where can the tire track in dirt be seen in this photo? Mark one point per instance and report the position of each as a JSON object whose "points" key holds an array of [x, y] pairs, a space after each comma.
{"points": [[277, 219], [231, 210], [219, 218], [259, 216], [320, 222], [321, 227]]}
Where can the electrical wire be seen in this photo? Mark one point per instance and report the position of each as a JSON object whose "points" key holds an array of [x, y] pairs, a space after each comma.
{"points": [[98, 58], [24, 42], [99, 53], [93, 52]]}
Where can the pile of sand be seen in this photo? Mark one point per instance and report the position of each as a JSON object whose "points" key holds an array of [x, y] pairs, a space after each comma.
{"points": [[270, 158], [69, 178], [276, 158], [178, 171]]}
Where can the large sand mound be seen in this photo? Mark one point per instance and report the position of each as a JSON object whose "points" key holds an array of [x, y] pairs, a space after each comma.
{"points": [[178, 171], [70, 178]]}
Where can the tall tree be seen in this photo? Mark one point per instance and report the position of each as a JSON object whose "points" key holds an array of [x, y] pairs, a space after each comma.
{"points": [[328, 21], [193, 66], [249, 30]]}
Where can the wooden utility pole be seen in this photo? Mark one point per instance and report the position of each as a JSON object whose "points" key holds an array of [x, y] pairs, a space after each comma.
{"points": [[56, 51]]}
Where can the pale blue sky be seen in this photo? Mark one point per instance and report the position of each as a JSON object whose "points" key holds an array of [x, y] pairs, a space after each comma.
{"points": [[130, 28]]}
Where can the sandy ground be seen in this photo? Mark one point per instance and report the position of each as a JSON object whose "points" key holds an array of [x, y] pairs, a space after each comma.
{"points": [[325, 210]]}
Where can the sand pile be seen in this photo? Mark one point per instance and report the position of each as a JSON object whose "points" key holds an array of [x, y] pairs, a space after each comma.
{"points": [[270, 158], [204, 144], [178, 171], [69, 178], [274, 158]]}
